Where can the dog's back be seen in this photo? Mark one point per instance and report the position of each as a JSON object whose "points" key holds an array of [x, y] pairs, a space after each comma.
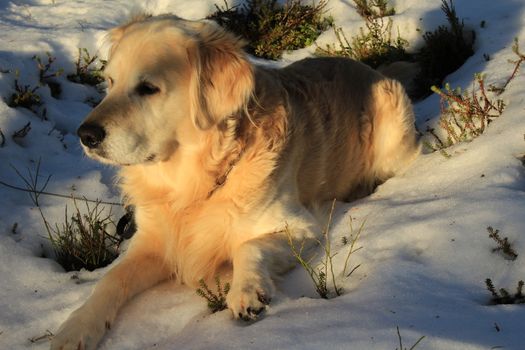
{"points": [[350, 128]]}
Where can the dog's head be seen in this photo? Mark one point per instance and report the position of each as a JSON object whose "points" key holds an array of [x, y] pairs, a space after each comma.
{"points": [[169, 82]]}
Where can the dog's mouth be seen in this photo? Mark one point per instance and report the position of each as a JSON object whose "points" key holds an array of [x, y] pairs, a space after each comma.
{"points": [[101, 155], [98, 155]]}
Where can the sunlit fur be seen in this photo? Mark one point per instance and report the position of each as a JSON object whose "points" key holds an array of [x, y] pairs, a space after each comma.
{"points": [[228, 154]]}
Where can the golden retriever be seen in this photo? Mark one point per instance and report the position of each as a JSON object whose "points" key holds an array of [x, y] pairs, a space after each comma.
{"points": [[219, 156]]}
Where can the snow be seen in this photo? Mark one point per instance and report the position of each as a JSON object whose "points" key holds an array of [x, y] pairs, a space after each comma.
{"points": [[425, 248]]}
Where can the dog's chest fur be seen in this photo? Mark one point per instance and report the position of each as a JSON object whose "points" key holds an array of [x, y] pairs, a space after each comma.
{"points": [[199, 206]]}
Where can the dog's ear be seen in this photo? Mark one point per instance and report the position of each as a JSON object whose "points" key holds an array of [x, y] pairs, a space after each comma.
{"points": [[224, 76]]}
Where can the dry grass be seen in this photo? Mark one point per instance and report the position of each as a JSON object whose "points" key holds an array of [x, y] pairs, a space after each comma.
{"points": [[271, 29], [464, 115], [321, 273], [88, 69], [24, 96], [374, 8], [504, 246], [444, 51], [216, 300], [47, 75], [373, 46], [503, 296], [517, 64], [83, 239]]}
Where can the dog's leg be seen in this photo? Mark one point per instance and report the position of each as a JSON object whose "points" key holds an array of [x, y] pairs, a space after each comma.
{"points": [[85, 327], [257, 262]]}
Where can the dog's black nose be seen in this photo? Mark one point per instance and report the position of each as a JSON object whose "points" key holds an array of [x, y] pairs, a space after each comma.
{"points": [[91, 135]]}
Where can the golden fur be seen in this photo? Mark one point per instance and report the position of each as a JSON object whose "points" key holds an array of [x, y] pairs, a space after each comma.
{"points": [[218, 156]]}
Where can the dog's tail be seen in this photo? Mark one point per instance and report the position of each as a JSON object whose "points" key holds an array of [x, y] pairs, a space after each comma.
{"points": [[395, 144]]}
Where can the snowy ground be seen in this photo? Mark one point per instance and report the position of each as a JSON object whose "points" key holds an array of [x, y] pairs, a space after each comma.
{"points": [[426, 251]]}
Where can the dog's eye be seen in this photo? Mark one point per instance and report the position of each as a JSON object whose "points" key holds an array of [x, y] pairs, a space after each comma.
{"points": [[145, 88]]}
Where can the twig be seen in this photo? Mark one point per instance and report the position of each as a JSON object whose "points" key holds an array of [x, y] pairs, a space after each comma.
{"points": [[48, 335], [503, 244], [352, 250], [517, 63], [432, 132], [22, 132], [416, 343], [328, 254], [401, 342], [32, 183], [317, 276], [34, 192], [2, 137]]}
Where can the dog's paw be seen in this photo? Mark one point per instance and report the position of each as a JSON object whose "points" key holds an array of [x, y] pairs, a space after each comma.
{"points": [[81, 331], [249, 298]]}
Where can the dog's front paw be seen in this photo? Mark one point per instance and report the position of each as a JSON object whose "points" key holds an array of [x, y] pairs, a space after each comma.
{"points": [[248, 298], [81, 331]]}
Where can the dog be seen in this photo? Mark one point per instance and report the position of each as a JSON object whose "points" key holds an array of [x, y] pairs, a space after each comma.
{"points": [[228, 163]]}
